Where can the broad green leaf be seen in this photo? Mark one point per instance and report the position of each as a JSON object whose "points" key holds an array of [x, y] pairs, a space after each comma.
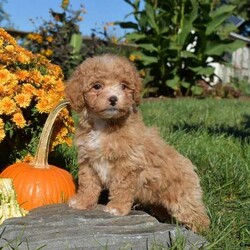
{"points": [[215, 23], [173, 83], [185, 84], [222, 10], [203, 70], [214, 49], [151, 17], [76, 43], [127, 25], [188, 20], [146, 60], [188, 54], [135, 36], [148, 47]]}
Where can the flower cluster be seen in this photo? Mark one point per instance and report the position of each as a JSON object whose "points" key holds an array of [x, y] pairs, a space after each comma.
{"points": [[30, 86]]}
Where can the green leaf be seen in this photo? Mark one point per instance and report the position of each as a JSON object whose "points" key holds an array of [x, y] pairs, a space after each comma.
{"points": [[151, 17], [203, 70], [213, 49], [225, 8], [135, 36], [196, 90], [146, 60], [188, 54], [215, 23], [76, 43], [173, 83], [185, 84], [218, 17], [188, 23], [148, 47], [127, 25]]}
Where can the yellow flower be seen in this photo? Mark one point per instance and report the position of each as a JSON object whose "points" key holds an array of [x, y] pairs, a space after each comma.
{"points": [[2, 134], [49, 39], [28, 89], [1, 42], [47, 52], [22, 75], [7, 106], [65, 4], [10, 48], [47, 101], [132, 58], [35, 37], [1, 123], [4, 76], [7, 37], [37, 89], [19, 120], [28, 158], [23, 100], [23, 58]]}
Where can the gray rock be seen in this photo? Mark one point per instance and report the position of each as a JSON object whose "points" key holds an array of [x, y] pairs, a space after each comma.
{"points": [[60, 227]]}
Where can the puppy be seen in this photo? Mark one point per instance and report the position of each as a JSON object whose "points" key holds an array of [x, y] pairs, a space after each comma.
{"points": [[117, 152]]}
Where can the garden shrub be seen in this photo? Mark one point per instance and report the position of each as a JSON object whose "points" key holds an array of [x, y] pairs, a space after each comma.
{"points": [[177, 41], [59, 39], [30, 86]]}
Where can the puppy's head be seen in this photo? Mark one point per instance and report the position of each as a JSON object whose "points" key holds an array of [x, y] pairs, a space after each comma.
{"points": [[108, 86]]}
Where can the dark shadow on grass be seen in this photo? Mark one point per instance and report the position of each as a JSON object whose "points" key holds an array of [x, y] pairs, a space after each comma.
{"points": [[241, 133]]}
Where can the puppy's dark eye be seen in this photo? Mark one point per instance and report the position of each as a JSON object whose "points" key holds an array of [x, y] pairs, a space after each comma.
{"points": [[124, 86], [97, 86]]}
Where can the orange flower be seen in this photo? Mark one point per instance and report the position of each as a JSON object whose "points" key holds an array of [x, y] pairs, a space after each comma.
{"points": [[7, 106], [28, 158], [132, 58], [2, 134], [23, 100], [49, 39], [37, 89], [28, 89], [1, 123], [19, 120], [22, 75], [10, 48], [4, 75]]}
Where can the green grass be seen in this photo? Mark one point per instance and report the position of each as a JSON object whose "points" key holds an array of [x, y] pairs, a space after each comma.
{"points": [[215, 135]]}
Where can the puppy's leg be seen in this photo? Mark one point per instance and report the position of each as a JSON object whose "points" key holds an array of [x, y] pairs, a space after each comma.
{"points": [[88, 191], [189, 210], [122, 192]]}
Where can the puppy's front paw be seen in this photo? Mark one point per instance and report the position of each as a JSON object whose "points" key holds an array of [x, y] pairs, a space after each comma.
{"points": [[117, 209], [80, 201]]}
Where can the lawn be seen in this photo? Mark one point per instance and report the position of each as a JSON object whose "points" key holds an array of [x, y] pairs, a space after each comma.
{"points": [[215, 135]]}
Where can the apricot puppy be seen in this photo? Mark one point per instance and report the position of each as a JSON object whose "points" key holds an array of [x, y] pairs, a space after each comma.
{"points": [[116, 151]]}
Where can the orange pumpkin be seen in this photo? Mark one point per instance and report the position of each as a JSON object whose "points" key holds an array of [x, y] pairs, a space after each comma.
{"points": [[39, 183]]}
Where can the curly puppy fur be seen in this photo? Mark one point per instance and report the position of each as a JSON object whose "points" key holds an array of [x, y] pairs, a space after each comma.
{"points": [[117, 152]]}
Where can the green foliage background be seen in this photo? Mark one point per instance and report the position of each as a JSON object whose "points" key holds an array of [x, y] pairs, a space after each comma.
{"points": [[177, 41]]}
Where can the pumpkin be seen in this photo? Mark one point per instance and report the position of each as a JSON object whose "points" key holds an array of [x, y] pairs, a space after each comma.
{"points": [[39, 183]]}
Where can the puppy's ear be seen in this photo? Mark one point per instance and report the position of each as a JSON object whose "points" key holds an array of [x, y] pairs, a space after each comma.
{"points": [[138, 88], [74, 91]]}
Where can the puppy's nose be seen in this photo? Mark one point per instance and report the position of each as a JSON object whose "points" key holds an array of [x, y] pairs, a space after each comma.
{"points": [[113, 100]]}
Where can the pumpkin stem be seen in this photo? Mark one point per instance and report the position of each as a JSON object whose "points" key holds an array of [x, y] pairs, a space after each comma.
{"points": [[42, 152]]}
